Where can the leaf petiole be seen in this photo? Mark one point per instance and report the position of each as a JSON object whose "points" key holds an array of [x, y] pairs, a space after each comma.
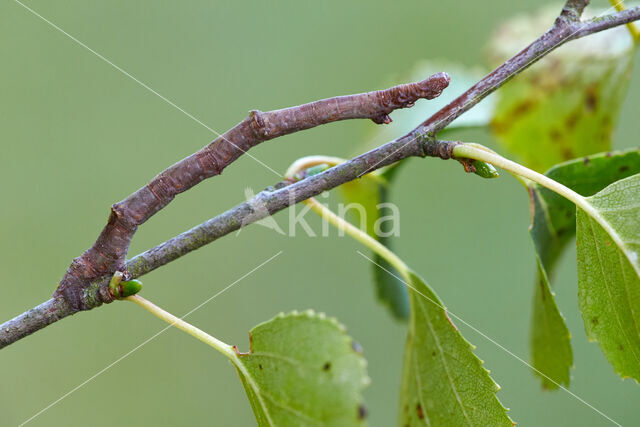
{"points": [[184, 326], [473, 151], [342, 224], [360, 236]]}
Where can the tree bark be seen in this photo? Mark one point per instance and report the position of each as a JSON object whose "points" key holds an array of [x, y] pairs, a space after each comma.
{"points": [[108, 253], [86, 284]]}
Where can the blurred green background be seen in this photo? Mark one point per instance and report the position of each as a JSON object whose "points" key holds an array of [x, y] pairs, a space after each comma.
{"points": [[77, 135]]}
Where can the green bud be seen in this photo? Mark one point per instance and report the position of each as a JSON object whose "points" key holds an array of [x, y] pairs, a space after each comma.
{"points": [[130, 287], [485, 170]]}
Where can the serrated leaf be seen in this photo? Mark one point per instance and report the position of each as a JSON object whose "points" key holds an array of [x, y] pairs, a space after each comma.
{"points": [[609, 273], [552, 227], [566, 105], [443, 382], [303, 369], [619, 205]]}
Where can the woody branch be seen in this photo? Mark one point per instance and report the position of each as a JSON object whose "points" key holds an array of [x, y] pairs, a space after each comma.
{"points": [[109, 251], [91, 284]]}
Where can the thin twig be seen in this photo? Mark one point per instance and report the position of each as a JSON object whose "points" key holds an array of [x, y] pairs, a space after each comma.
{"points": [[420, 142], [108, 252]]}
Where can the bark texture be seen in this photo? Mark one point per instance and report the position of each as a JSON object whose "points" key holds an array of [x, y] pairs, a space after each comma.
{"points": [[108, 253], [85, 286]]}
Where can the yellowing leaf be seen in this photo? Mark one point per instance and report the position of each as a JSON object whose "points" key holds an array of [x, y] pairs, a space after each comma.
{"points": [[566, 105]]}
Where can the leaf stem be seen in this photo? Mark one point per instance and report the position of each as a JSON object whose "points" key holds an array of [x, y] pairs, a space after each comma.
{"points": [[81, 293], [360, 236], [307, 162], [475, 152], [340, 223], [172, 320], [224, 348], [478, 152]]}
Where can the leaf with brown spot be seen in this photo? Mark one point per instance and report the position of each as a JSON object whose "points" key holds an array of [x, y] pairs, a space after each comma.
{"points": [[302, 370], [553, 226], [566, 105], [443, 382], [608, 252]]}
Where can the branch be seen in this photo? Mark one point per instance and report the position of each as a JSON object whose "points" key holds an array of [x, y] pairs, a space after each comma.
{"points": [[573, 9], [108, 253], [566, 27], [33, 320], [420, 142], [603, 23]]}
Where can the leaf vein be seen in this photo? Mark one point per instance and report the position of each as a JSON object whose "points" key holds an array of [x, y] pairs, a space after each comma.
{"points": [[607, 287], [444, 362]]}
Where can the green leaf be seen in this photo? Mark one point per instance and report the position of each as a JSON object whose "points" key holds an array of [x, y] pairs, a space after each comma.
{"points": [[365, 194], [609, 274], [371, 194], [443, 382], [551, 351], [553, 223], [302, 369], [390, 289], [566, 105], [552, 227]]}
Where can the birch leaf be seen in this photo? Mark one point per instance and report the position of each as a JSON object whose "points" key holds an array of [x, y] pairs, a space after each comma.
{"points": [[390, 290], [303, 370], [609, 274], [551, 351], [552, 227], [443, 382], [566, 105]]}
